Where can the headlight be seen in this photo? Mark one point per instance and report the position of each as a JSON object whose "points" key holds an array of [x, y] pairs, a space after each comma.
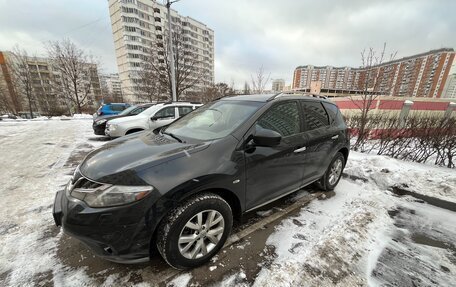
{"points": [[111, 195], [112, 127], [100, 122]]}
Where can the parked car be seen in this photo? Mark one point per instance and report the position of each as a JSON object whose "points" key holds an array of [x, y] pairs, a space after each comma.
{"points": [[178, 188], [111, 109], [154, 117], [99, 123]]}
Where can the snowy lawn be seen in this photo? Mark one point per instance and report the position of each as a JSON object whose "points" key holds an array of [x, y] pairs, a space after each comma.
{"points": [[363, 234]]}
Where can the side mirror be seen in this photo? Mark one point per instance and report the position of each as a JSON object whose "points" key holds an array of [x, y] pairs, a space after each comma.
{"points": [[266, 137]]}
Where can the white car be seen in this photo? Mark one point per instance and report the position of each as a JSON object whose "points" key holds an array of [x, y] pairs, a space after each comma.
{"points": [[154, 117]]}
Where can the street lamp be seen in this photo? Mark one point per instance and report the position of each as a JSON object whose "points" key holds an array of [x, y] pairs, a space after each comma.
{"points": [[171, 52]]}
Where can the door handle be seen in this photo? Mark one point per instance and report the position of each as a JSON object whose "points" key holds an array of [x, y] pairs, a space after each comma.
{"points": [[300, 150], [335, 137]]}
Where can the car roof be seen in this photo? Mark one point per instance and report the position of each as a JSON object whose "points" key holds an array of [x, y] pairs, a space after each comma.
{"points": [[273, 97]]}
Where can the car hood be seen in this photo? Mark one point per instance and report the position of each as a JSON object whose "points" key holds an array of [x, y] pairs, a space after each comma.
{"points": [[121, 159], [108, 117]]}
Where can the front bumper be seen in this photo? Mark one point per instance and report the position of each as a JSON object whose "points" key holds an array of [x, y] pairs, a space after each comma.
{"points": [[99, 130], [117, 234]]}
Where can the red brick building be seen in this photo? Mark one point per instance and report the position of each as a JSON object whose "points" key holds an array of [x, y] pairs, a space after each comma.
{"points": [[422, 75]]}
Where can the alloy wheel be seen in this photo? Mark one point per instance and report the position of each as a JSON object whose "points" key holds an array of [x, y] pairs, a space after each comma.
{"points": [[201, 234], [335, 171]]}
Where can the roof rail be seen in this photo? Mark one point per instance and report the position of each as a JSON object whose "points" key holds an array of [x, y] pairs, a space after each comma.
{"points": [[275, 96]]}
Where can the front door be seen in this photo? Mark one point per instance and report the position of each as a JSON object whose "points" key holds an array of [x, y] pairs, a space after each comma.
{"points": [[273, 171], [163, 117]]}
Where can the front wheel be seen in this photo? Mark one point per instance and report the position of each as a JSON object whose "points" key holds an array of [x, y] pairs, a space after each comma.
{"points": [[194, 231], [333, 174]]}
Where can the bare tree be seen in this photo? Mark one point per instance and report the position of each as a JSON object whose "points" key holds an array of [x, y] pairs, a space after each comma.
{"points": [[76, 69], [260, 80], [216, 91], [154, 75], [246, 90], [5, 103], [22, 76], [374, 82]]}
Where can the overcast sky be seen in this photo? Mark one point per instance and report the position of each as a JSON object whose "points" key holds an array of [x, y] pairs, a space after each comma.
{"points": [[277, 34]]}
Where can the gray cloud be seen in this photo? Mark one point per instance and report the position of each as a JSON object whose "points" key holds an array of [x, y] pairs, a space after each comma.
{"points": [[277, 34]]}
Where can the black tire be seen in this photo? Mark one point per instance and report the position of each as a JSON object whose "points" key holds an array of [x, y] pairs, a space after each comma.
{"points": [[172, 227], [324, 182]]}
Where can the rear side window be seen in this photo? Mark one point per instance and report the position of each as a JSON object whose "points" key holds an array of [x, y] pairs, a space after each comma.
{"points": [[118, 107], [334, 113], [315, 115], [184, 110], [283, 118]]}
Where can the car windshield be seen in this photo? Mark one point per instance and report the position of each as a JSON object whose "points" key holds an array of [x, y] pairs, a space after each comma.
{"points": [[214, 120], [127, 110]]}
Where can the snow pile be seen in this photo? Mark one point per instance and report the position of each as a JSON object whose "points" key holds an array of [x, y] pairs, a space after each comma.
{"points": [[386, 172], [346, 238], [82, 116]]}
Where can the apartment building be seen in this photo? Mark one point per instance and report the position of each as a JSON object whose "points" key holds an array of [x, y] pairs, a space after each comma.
{"points": [[47, 87], [111, 87], [421, 75], [141, 26], [278, 85]]}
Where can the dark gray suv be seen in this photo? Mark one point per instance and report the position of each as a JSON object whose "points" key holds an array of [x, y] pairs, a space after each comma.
{"points": [[179, 187]]}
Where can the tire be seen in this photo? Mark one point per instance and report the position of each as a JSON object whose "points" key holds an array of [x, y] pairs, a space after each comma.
{"points": [[327, 182], [182, 224]]}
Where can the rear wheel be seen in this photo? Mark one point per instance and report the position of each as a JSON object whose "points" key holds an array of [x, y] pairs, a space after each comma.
{"points": [[194, 231], [333, 174]]}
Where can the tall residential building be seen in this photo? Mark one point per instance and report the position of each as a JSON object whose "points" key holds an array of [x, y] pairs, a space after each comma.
{"points": [[278, 85], [111, 88], [139, 26], [46, 84], [422, 75], [450, 87]]}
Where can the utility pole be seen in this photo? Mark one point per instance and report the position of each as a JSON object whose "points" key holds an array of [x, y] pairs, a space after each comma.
{"points": [[171, 51]]}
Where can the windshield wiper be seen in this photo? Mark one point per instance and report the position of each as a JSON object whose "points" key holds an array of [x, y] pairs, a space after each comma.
{"points": [[172, 135]]}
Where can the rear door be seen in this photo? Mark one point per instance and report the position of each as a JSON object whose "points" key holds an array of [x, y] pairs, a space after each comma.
{"points": [[318, 140], [274, 171], [183, 110]]}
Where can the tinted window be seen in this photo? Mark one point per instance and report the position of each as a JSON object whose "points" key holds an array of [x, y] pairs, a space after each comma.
{"points": [[117, 107], [314, 115], [283, 118], [137, 111], [184, 110], [166, 112], [332, 111]]}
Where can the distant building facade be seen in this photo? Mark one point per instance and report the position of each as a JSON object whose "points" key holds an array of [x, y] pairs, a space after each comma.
{"points": [[47, 87], [450, 87], [138, 26], [422, 75], [111, 87], [278, 85]]}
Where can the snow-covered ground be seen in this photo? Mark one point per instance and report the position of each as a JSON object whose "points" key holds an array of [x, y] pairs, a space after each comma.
{"points": [[363, 234]]}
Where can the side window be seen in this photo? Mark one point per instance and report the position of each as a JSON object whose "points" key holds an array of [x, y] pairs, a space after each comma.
{"points": [[166, 112], [184, 110], [283, 118], [136, 111], [332, 111], [117, 108], [314, 115]]}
